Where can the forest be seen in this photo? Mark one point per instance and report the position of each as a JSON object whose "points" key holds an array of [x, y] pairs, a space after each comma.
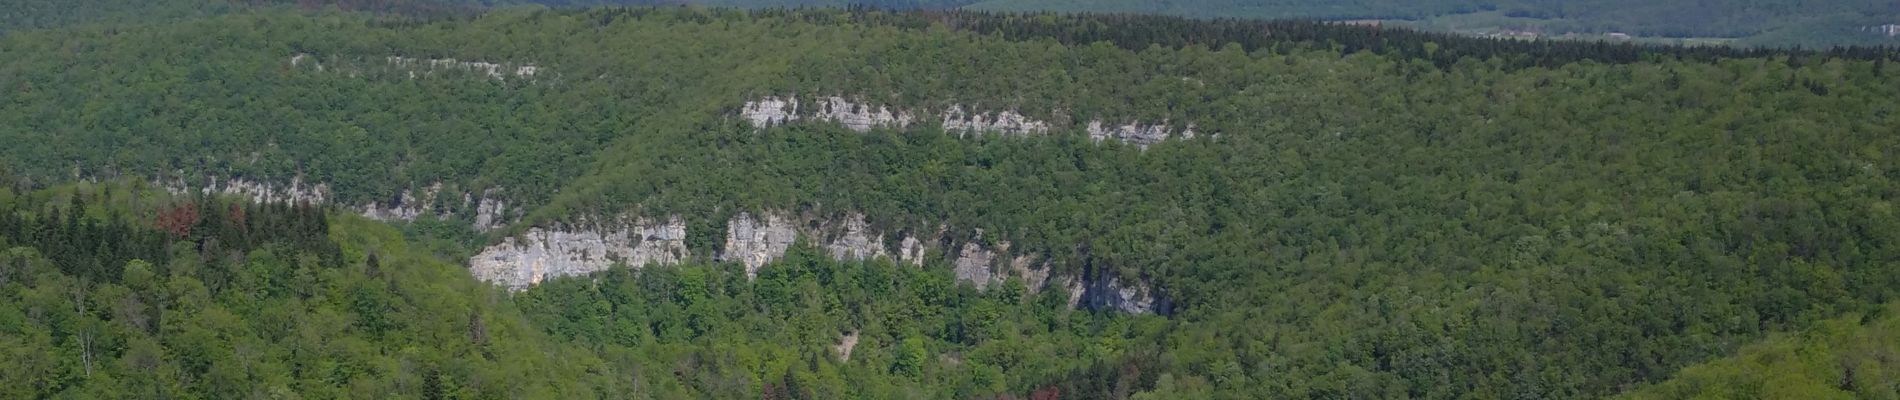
{"points": [[1383, 213], [121, 290]]}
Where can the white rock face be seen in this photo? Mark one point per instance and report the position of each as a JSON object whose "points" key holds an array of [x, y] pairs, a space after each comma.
{"points": [[973, 265], [1035, 276], [1110, 294], [773, 111], [846, 343], [491, 70], [758, 240], [857, 243], [490, 211], [1074, 284], [770, 111], [911, 251], [546, 253], [420, 67], [1890, 30], [1137, 133], [859, 117], [1006, 123], [407, 207], [257, 192], [755, 243]]}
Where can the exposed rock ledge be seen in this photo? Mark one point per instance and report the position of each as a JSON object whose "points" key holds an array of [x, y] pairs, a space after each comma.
{"points": [[419, 67], [543, 253], [258, 192], [490, 210], [773, 111], [757, 240]]}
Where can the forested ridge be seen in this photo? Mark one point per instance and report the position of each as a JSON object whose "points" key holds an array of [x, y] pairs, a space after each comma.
{"points": [[1382, 213], [1777, 23]]}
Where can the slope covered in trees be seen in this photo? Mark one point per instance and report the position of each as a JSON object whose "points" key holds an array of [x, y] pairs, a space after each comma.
{"points": [[1779, 23], [123, 291], [1849, 357], [1370, 213]]}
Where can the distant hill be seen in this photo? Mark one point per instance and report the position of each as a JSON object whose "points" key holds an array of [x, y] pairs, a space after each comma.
{"points": [[1812, 23], [1779, 23], [1856, 356]]}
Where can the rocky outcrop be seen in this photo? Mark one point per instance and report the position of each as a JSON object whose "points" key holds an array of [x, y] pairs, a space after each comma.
{"points": [[973, 265], [773, 111], [1108, 293], [857, 241], [1136, 133], [1888, 30], [911, 251], [846, 343], [770, 111], [491, 212], [406, 207], [258, 192], [422, 67], [1006, 123], [300, 59], [859, 117], [754, 242], [491, 70], [542, 253], [1035, 275]]}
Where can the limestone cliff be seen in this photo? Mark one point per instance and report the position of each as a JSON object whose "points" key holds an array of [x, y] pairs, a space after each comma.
{"points": [[1108, 293], [773, 111], [973, 265], [490, 211], [414, 67], [259, 192], [757, 240], [1136, 133], [856, 241], [541, 253]]}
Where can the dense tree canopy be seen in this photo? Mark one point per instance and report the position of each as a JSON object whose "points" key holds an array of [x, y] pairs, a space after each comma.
{"points": [[1382, 214], [121, 291]]}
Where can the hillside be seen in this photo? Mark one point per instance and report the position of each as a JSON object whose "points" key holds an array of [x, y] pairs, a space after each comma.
{"points": [[125, 291], [1849, 357], [995, 204], [1779, 23], [1748, 23]]}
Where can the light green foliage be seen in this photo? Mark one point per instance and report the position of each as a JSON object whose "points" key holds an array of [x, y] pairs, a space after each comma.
{"points": [[1844, 358]]}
